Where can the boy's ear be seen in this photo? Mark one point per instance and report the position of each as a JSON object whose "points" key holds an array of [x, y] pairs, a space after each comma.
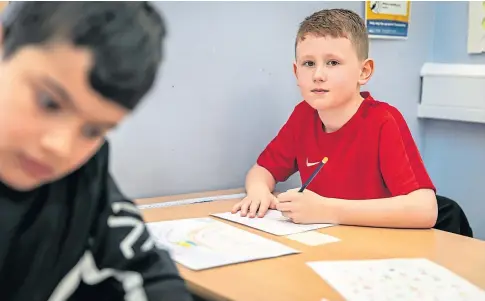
{"points": [[295, 69], [366, 71]]}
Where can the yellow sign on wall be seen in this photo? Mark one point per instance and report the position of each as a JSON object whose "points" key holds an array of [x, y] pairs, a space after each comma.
{"points": [[387, 19]]}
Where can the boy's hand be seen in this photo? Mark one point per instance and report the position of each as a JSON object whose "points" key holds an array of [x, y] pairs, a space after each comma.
{"points": [[304, 207], [258, 201]]}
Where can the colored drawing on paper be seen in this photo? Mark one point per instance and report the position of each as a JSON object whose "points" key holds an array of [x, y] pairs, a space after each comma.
{"points": [[201, 243]]}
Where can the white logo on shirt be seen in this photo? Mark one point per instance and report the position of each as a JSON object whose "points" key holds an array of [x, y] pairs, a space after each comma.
{"points": [[308, 164], [137, 225]]}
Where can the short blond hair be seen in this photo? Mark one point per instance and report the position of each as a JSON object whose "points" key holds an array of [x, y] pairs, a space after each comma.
{"points": [[337, 23]]}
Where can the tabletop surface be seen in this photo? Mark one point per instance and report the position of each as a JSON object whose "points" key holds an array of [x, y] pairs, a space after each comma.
{"points": [[289, 278]]}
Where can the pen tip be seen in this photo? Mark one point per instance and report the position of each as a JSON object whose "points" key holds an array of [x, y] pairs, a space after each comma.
{"points": [[325, 160]]}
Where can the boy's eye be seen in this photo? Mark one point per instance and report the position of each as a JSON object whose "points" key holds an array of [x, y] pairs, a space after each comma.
{"points": [[92, 132], [333, 63], [309, 64], [47, 103]]}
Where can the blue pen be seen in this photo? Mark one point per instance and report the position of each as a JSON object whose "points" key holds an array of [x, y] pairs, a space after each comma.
{"points": [[320, 165]]}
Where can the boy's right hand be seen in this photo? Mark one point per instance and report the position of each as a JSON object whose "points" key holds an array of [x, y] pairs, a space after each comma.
{"points": [[258, 201]]}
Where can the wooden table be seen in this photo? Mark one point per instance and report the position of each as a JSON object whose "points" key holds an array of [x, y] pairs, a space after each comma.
{"points": [[288, 278]]}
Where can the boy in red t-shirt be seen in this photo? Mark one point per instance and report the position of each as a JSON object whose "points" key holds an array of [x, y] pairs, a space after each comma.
{"points": [[375, 175]]}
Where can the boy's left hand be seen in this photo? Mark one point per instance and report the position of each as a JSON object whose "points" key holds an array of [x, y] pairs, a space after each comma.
{"points": [[304, 207]]}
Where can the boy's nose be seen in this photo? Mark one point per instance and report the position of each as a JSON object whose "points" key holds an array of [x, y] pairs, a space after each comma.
{"points": [[59, 142], [319, 75]]}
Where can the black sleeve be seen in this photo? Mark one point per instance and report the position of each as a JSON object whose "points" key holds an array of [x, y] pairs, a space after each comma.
{"points": [[122, 246]]}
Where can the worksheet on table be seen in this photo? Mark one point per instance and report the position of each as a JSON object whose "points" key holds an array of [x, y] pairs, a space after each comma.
{"points": [[396, 280], [273, 222], [202, 243]]}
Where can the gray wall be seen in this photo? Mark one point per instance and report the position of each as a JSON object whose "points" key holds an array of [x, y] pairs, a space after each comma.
{"points": [[227, 87], [454, 151]]}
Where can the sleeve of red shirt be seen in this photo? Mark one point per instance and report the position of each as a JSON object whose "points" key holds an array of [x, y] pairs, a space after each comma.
{"points": [[279, 156], [401, 164]]}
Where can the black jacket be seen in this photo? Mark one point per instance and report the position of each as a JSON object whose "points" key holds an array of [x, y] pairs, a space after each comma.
{"points": [[79, 239]]}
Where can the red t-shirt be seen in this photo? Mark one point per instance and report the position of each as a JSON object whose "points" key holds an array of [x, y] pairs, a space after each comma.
{"points": [[372, 156]]}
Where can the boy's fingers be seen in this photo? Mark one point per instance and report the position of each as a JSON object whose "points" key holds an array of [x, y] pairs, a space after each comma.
{"points": [[236, 207], [285, 197], [245, 207], [254, 208], [287, 214], [274, 202], [272, 205], [283, 207], [263, 208]]}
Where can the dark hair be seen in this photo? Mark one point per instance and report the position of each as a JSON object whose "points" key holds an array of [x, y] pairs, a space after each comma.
{"points": [[337, 23], [124, 37]]}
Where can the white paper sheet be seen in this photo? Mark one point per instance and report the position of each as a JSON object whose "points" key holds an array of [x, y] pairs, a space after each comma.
{"points": [[273, 222], [397, 280], [202, 243], [312, 238]]}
